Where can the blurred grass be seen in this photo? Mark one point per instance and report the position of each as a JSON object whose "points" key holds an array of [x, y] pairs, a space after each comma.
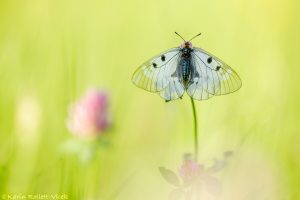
{"points": [[51, 51]]}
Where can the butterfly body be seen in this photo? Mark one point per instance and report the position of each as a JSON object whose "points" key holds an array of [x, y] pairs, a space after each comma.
{"points": [[186, 69], [185, 65]]}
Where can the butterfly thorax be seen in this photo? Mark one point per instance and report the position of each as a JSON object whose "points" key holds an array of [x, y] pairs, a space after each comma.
{"points": [[186, 52]]}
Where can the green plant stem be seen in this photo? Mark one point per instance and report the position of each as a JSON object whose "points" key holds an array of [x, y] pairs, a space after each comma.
{"points": [[195, 129]]}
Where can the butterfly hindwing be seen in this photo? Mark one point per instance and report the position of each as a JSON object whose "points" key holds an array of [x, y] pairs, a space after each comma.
{"points": [[159, 74], [211, 76], [174, 89]]}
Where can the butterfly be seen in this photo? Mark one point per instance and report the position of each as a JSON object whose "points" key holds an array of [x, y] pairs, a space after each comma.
{"points": [[186, 69]]}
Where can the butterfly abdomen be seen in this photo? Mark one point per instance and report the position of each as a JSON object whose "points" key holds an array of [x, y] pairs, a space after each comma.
{"points": [[185, 70]]}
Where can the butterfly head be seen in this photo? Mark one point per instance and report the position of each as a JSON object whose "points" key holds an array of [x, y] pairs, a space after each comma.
{"points": [[186, 45]]}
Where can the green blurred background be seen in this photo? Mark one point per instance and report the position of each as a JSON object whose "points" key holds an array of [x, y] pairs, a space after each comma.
{"points": [[51, 51]]}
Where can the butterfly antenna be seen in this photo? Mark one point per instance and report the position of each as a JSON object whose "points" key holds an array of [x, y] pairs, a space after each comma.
{"points": [[180, 36], [195, 37]]}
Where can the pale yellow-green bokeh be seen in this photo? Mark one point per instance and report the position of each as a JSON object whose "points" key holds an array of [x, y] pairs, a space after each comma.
{"points": [[51, 51]]}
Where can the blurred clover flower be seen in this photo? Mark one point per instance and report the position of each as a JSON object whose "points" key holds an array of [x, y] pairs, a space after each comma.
{"points": [[88, 118], [194, 178], [190, 170]]}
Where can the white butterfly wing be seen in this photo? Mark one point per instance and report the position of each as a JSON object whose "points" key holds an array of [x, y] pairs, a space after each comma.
{"points": [[174, 89], [159, 75], [211, 76]]}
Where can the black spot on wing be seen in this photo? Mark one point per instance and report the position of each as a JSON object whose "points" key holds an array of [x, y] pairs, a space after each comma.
{"points": [[217, 68], [154, 65], [163, 58], [209, 60]]}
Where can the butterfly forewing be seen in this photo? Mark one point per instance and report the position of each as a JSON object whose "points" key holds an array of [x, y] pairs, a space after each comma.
{"points": [[155, 74], [211, 76]]}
